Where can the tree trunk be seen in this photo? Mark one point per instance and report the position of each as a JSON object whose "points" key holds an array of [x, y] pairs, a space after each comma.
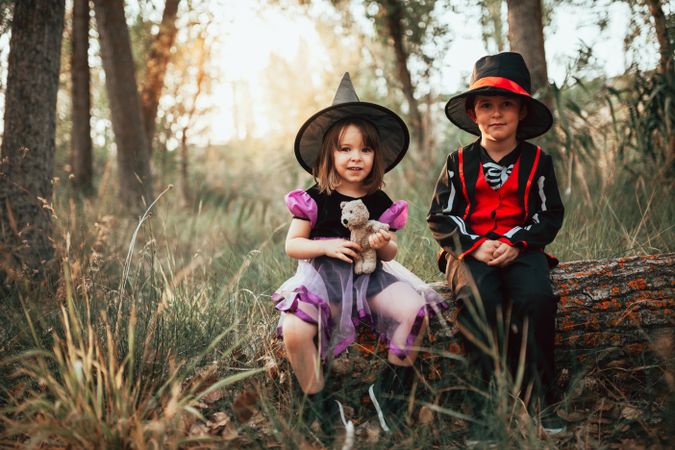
{"points": [[623, 303], [155, 68], [184, 154], [526, 36], [393, 9], [27, 153], [81, 148], [491, 22], [133, 155], [606, 303], [661, 29]]}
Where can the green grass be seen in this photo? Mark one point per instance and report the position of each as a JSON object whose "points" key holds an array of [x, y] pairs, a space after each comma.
{"points": [[147, 336], [108, 357]]}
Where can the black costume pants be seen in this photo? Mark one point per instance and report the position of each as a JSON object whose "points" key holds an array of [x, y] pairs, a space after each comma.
{"points": [[524, 287]]}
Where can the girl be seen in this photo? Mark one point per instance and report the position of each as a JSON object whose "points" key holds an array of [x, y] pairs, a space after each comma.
{"points": [[347, 148]]}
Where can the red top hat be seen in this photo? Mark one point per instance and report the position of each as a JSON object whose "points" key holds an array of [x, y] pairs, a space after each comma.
{"points": [[502, 74]]}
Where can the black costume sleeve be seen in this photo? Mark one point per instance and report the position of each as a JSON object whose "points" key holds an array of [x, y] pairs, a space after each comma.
{"points": [[546, 216], [445, 216]]}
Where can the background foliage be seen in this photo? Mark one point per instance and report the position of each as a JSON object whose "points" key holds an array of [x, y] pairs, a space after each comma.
{"points": [[159, 331]]}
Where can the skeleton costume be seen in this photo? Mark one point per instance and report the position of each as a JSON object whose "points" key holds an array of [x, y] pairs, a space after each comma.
{"points": [[531, 221], [515, 201]]}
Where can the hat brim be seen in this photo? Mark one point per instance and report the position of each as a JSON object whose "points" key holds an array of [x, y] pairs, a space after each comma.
{"points": [[394, 135], [537, 121]]}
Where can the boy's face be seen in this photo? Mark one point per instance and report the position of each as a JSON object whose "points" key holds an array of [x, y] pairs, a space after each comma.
{"points": [[497, 116]]}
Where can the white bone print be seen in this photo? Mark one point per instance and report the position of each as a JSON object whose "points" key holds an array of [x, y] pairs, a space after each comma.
{"points": [[540, 183], [451, 200]]}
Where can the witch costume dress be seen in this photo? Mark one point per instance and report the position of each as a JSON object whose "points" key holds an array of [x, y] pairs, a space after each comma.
{"points": [[325, 291]]}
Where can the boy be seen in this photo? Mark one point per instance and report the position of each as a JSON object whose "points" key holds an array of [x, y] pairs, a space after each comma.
{"points": [[495, 206]]}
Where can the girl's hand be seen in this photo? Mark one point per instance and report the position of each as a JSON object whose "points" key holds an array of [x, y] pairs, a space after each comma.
{"points": [[485, 251], [504, 255], [341, 249], [379, 239]]}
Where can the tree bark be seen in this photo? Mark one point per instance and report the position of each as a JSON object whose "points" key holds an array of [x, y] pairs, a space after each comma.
{"points": [[184, 154], [607, 303], [133, 154], [155, 68], [622, 303], [661, 28], [27, 152], [81, 148], [526, 36], [393, 9]]}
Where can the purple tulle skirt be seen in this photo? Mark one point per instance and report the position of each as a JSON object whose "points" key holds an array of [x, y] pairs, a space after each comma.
{"points": [[324, 291]]}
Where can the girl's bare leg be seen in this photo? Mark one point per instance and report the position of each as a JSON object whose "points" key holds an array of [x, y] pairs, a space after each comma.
{"points": [[400, 302], [302, 353]]}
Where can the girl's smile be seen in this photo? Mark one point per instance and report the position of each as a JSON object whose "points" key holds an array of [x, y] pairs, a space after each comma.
{"points": [[353, 160]]}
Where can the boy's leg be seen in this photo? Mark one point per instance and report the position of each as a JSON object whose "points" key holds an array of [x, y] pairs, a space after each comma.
{"points": [[531, 294], [302, 353], [479, 288]]}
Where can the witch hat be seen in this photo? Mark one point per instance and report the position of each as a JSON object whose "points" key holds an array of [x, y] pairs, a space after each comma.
{"points": [[394, 135]]}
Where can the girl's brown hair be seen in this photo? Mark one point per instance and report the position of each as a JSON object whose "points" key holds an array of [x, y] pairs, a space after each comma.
{"points": [[324, 169]]}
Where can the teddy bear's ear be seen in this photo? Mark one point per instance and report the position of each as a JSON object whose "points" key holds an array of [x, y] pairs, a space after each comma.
{"points": [[342, 204]]}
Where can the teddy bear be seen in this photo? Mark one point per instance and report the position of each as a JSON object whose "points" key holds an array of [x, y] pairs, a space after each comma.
{"points": [[355, 217]]}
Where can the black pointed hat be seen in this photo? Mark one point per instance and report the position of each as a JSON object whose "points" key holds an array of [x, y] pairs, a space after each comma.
{"points": [[502, 74], [394, 136]]}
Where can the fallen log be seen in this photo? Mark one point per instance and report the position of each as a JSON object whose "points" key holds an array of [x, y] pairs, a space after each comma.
{"points": [[618, 303], [622, 303], [610, 311]]}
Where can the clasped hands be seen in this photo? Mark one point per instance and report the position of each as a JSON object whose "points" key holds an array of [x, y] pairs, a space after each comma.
{"points": [[348, 251], [496, 253]]}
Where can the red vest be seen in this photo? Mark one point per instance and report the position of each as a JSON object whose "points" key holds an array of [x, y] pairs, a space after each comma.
{"points": [[497, 210]]}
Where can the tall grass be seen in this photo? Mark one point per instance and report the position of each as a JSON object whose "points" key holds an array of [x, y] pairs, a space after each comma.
{"points": [[111, 354]]}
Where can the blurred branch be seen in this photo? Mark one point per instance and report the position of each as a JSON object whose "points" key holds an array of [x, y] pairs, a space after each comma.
{"points": [[155, 69], [665, 64]]}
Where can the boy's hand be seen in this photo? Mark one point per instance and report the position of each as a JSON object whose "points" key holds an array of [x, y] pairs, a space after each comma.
{"points": [[343, 249], [379, 239], [504, 255], [485, 251]]}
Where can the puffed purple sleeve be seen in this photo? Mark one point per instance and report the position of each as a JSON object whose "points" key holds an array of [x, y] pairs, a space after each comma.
{"points": [[396, 215], [301, 205]]}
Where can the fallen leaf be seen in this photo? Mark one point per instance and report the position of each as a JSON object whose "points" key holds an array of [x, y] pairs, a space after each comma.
{"points": [[230, 433], [245, 405], [204, 376], [572, 416], [617, 363], [214, 396], [341, 366], [372, 431], [604, 405], [426, 415], [198, 429], [220, 419], [271, 366], [631, 413]]}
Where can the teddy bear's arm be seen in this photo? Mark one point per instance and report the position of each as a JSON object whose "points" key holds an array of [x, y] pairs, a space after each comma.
{"points": [[374, 225]]}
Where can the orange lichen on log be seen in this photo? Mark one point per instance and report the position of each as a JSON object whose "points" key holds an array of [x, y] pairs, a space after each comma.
{"points": [[605, 303], [638, 284]]}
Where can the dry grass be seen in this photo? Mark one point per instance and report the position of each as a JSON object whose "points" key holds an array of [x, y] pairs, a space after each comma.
{"points": [[159, 334]]}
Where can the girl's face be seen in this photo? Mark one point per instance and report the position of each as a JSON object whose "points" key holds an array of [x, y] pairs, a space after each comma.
{"points": [[353, 161]]}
